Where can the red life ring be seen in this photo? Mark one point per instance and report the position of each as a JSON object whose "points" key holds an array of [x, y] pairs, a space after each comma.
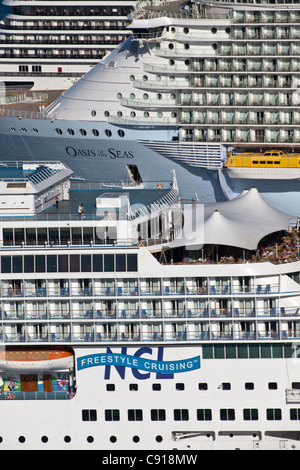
{"points": [[142, 243], [9, 396], [159, 186]]}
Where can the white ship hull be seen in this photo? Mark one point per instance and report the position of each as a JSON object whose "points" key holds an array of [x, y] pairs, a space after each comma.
{"points": [[61, 422]]}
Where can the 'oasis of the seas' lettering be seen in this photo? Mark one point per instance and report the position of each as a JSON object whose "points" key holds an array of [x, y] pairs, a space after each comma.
{"points": [[111, 153], [140, 366]]}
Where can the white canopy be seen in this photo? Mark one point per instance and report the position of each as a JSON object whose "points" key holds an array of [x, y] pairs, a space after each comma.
{"points": [[241, 222]]}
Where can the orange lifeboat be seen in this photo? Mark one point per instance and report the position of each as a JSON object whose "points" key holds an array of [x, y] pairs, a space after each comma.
{"points": [[36, 359]]}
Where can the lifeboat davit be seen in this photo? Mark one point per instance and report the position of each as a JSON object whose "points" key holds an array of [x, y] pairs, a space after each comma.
{"points": [[36, 359]]}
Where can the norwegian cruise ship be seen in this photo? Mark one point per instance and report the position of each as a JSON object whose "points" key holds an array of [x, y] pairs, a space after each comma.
{"points": [[49, 45], [145, 322], [195, 83]]}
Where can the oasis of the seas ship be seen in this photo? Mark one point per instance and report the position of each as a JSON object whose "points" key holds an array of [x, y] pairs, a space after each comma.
{"points": [[49, 45], [145, 326], [195, 81]]}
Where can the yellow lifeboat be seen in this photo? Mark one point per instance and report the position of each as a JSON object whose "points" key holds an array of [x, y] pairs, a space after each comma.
{"points": [[36, 359], [272, 164]]}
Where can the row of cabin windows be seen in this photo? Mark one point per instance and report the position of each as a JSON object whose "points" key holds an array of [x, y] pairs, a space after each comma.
{"points": [[183, 414], [69, 263], [203, 386], [58, 235], [250, 351]]}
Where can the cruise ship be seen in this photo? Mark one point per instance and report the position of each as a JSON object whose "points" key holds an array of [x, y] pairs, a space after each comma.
{"points": [[195, 83], [50, 45], [145, 322]]}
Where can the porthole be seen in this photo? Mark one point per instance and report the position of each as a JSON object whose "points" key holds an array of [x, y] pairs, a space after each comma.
{"points": [[71, 132], [24, 129], [13, 129], [146, 114], [108, 132], [119, 114], [119, 96], [159, 114], [121, 133], [90, 439], [95, 132], [58, 131], [172, 78], [44, 439], [214, 30], [173, 96], [186, 46], [186, 30], [132, 114], [67, 439], [145, 96], [159, 96], [131, 78], [158, 78], [172, 62], [93, 113], [214, 46], [158, 438], [132, 96], [35, 130], [1, 439], [22, 439], [173, 114], [145, 78], [157, 45], [106, 113], [173, 30], [227, 30], [113, 439], [136, 439], [171, 46], [82, 131]]}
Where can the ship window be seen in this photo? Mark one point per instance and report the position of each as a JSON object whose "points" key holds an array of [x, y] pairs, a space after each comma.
{"points": [[250, 414], [132, 114], [86, 263], [179, 386], [158, 415], [119, 96], [74, 263], [35, 130], [93, 113], [156, 387], [186, 46], [121, 133], [171, 46], [13, 129], [17, 263], [120, 263], [113, 439], [202, 386], [89, 415], [109, 263], [82, 131], [132, 96], [132, 78], [58, 131], [97, 263], [133, 387], [110, 387], [106, 113], [132, 262], [108, 132], [135, 415], [214, 30], [145, 96], [186, 30], [204, 415], [6, 264], [249, 386], [276, 162], [95, 132], [51, 263], [24, 129], [262, 162], [227, 414], [269, 162], [181, 415], [29, 264], [145, 78], [40, 263], [71, 132], [63, 264], [294, 414], [112, 415], [255, 162], [119, 114], [273, 414], [272, 385]]}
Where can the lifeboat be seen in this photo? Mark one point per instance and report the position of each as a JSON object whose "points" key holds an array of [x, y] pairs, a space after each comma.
{"points": [[272, 164], [36, 360]]}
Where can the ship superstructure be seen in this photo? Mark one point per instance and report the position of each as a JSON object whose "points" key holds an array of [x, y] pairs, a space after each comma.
{"points": [[50, 45], [182, 317]]}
